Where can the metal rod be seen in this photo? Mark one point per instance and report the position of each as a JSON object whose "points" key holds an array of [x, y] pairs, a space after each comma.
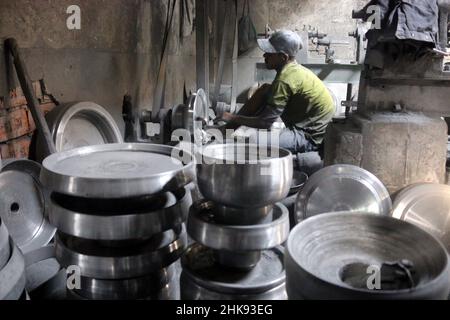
{"points": [[202, 45], [28, 91]]}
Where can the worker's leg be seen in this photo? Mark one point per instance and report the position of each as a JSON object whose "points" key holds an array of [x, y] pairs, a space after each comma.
{"points": [[295, 141]]}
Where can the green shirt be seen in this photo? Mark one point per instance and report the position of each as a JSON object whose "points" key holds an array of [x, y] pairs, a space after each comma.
{"points": [[306, 102]]}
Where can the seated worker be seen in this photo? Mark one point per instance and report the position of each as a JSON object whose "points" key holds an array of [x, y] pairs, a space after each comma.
{"points": [[297, 95]]}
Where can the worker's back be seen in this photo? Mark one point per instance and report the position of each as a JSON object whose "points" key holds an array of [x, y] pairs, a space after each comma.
{"points": [[307, 102]]}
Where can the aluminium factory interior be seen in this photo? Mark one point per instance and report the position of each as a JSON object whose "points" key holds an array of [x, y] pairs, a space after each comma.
{"points": [[123, 178]]}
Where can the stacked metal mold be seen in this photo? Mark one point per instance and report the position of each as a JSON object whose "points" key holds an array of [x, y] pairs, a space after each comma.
{"points": [[12, 268], [120, 210], [239, 226]]}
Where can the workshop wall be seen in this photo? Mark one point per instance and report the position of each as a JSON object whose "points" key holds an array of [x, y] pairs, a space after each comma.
{"points": [[116, 51], [331, 17]]}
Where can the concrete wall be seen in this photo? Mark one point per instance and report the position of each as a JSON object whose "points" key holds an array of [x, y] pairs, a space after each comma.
{"points": [[116, 51]]}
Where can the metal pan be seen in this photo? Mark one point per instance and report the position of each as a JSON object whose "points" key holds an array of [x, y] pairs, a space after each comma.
{"points": [[118, 170], [171, 211], [202, 228], [100, 262], [342, 188]]}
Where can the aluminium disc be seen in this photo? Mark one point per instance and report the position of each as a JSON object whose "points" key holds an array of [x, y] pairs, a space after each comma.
{"points": [[342, 188], [118, 170], [23, 210], [428, 207]]}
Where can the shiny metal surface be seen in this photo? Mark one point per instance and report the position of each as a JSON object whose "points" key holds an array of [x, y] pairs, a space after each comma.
{"points": [[203, 279], [118, 170], [5, 251], [321, 248], [80, 124], [23, 165], [44, 276], [12, 276], [428, 207], [342, 188], [239, 260], [202, 228], [242, 216], [299, 180], [193, 116], [242, 176], [23, 203], [144, 221], [101, 262], [127, 289]]}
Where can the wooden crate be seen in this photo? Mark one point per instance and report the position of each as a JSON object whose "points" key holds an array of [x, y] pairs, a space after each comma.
{"points": [[14, 124], [16, 148]]}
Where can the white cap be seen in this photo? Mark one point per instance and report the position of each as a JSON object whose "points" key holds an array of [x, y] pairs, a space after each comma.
{"points": [[284, 41]]}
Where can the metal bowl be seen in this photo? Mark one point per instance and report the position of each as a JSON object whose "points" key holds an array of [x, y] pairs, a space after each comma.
{"points": [[323, 250], [242, 175]]}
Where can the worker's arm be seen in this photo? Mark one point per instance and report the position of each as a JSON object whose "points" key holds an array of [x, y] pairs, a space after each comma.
{"points": [[263, 120]]}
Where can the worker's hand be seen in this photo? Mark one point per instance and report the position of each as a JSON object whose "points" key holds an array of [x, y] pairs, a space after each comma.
{"points": [[227, 117]]}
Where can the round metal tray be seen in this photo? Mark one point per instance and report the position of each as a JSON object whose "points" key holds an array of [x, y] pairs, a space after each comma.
{"points": [[202, 278], [79, 124], [428, 207], [23, 208], [342, 188], [336, 255], [202, 228], [12, 276], [118, 170], [171, 211], [100, 262]]}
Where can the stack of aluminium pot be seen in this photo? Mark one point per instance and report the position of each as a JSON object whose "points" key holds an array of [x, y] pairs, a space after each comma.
{"points": [[119, 210], [239, 226]]}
